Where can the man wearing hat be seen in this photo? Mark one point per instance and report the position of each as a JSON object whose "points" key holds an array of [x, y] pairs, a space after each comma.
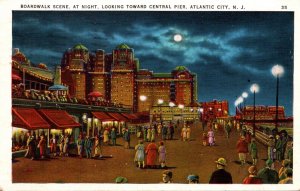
{"points": [[220, 176], [271, 145], [252, 178], [279, 148], [193, 179], [289, 177], [267, 174]]}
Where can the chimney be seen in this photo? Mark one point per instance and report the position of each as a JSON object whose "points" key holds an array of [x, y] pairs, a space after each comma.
{"points": [[57, 75]]}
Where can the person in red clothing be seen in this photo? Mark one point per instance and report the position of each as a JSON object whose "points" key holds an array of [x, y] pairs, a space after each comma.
{"points": [[242, 149], [252, 178], [42, 146], [151, 152]]}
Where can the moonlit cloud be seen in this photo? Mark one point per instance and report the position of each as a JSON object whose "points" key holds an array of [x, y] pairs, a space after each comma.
{"points": [[225, 49]]}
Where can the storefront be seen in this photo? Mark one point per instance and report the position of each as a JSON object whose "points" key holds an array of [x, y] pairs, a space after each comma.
{"points": [[23, 121]]}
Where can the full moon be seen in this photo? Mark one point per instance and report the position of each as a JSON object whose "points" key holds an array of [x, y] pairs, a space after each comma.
{"points": [[177, 38]]}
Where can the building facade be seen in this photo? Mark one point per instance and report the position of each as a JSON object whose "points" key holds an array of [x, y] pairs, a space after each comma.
{"points": [[214, 109], [118, 77]]}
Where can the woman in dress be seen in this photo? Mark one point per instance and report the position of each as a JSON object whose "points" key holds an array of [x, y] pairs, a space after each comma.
{"points": [[98, 150], [211, 137], [188, 133], [183, 133], [106, 136], [162, 155], [151, 152], [42, 146], [140, 154]]}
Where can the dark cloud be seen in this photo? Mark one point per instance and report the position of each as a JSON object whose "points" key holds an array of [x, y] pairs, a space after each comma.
{"points": [[225, 49]]}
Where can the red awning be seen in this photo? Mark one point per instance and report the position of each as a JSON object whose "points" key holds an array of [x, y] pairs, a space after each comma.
{"points": [[15, 77], [130, 116], [102, 116], [59, 118], [28, 118], [118, 117]]}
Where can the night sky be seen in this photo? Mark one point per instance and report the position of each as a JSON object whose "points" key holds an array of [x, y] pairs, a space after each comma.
{"points": [[228, 50]]}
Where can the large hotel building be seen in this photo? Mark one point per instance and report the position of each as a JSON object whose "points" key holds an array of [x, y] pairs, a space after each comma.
{"points": [[118, 77]]}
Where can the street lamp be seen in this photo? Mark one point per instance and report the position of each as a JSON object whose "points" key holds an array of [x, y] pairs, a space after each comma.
{"points": [[254, 89], [172, 104], [160, 102], [244, 95], [181, 106], [277, 72]]}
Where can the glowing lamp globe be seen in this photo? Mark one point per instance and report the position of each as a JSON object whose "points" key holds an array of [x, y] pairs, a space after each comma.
{"points": [[277, 70], [254, 88]]}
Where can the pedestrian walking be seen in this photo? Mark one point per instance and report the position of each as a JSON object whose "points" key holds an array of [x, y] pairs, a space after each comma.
{"points": [[184, 133], [66, 145], [271, 148], [98, 149], [30, 146], [164, 132], [253, 151], [113, 136], [252, 178], [127, 139], [140, 154], [53, 145], [242, 149], [220, 176], [80, 144], [106, 136], [42, 147], [284, 141], [290, 152], [61, 145], [211, 137], [228, 128], [188, 133], [162, 154], [88, 144], [279, 148], [149, 134], [172, 130], [151, 151], [159, 128], [145, 133], [268, 174], [152, 134]]}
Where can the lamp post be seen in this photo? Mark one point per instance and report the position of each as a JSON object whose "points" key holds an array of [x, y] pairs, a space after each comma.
{"points": [[181, 106], [171, 104], [244, 95], [160, 102], [254, 89], [277, 72]]}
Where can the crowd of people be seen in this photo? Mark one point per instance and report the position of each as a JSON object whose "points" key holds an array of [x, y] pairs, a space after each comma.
{"points": [[18, 91], [151, 151]]}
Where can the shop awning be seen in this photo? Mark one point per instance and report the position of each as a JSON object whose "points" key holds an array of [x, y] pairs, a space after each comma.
{"points": [[130, 116], [118, 116], [28, 118], [102, 116], [59, 118]]}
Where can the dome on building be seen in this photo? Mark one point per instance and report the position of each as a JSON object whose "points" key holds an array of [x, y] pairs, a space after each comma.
{"points": [[123, 46], [180, 68], [80, 47]]}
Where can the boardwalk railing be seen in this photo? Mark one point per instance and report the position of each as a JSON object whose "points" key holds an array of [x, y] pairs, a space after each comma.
{"points": [[259, 136]]}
